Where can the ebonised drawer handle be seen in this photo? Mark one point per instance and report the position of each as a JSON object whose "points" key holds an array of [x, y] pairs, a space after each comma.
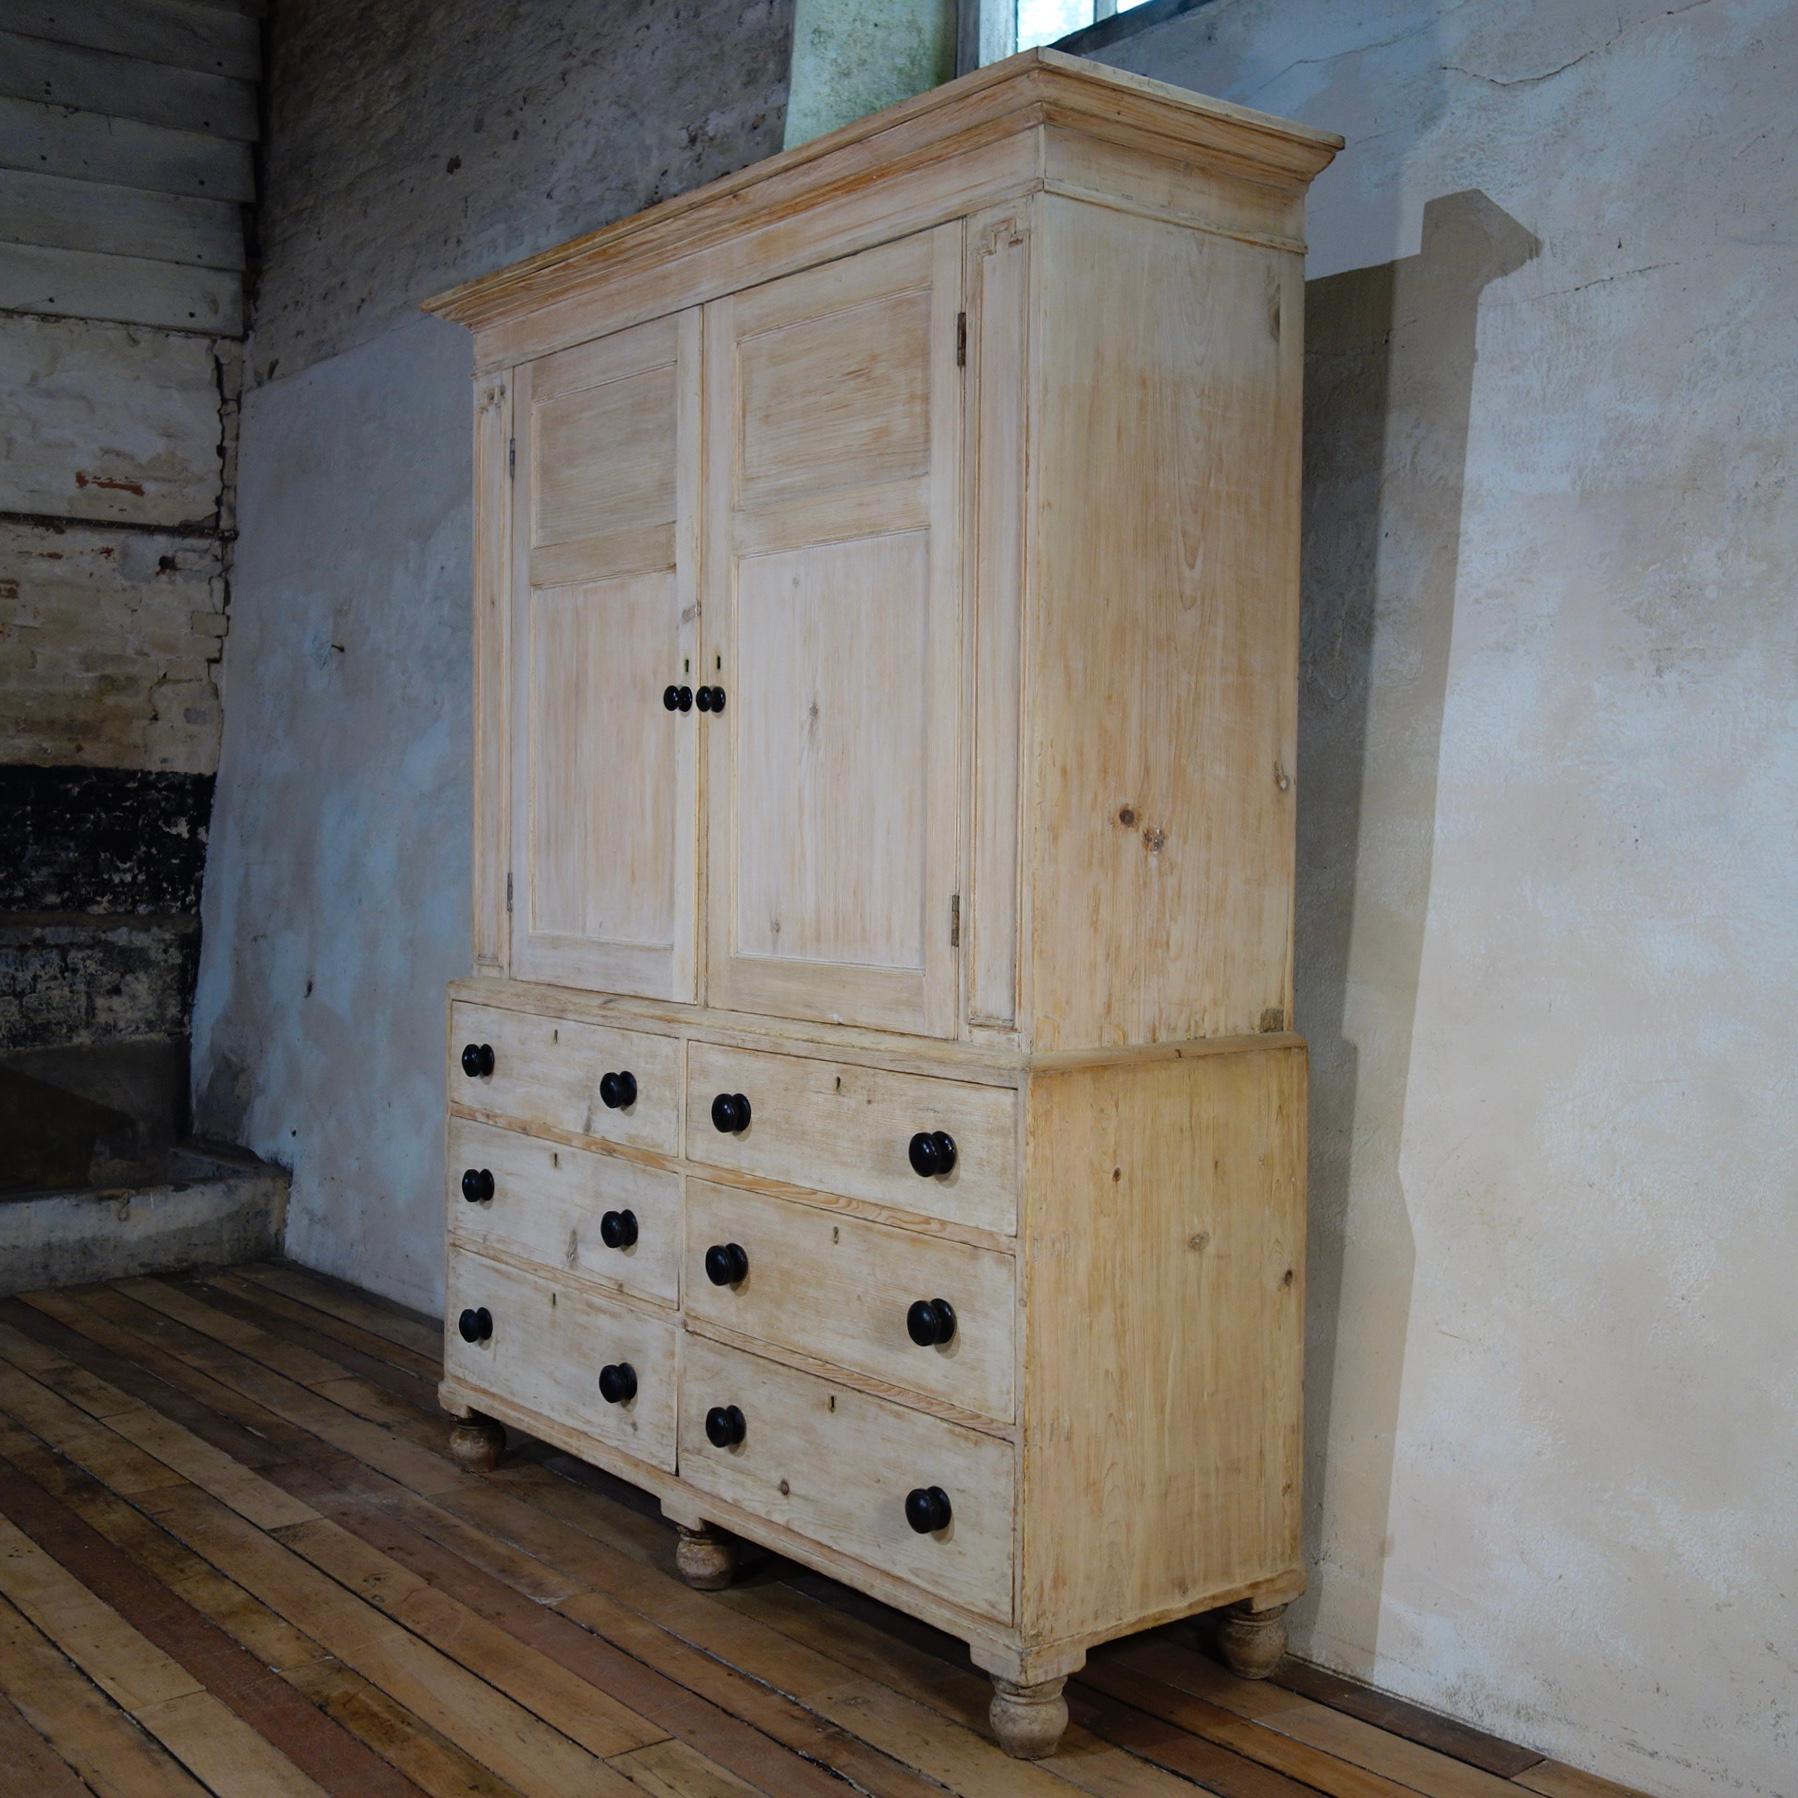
{"points": [[710, 699], [477, 1184], [727, 1264], [617, 1090], [725, 1428], [730, 1113], [932, 1152], [678, 699], [618, 1229], [476, 1325], [930, 1322], [618, 1383], [927, 1509], [477, 1060]]}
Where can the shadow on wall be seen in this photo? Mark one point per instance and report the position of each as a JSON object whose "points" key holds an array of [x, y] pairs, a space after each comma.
{"points": [[1388, 387]]}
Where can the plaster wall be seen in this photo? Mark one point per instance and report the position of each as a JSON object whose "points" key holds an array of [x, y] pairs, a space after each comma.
{"points": [[1548, 900]]}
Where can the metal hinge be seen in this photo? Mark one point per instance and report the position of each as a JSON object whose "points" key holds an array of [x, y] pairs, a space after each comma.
{"points": [[508, 892], [511, 458], [961, 340], [955, 920]]}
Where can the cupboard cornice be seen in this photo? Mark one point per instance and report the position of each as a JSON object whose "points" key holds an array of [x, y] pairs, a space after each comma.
{"points": [[986, 137]]}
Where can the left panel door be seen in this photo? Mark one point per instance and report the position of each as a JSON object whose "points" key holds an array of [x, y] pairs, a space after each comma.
{"points": [[605, 615]]}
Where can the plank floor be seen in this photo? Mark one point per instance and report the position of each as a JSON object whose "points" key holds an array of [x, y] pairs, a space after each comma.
{"points": [[235, 1558]]}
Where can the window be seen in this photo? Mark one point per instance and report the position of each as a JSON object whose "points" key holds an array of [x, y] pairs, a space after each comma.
{"points": [[1043, 21], [990, 30]]}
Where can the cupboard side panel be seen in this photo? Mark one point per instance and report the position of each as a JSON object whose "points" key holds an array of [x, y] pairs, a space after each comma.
{"points": [[1163, 1272], [492, 587], [1163, 645]]}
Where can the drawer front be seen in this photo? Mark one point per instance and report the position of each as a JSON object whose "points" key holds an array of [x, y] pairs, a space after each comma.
{"points": [[548, 1344], [839, 1289], [549, 1204], [836, 1127], [547, 1073], [835, 1466]]}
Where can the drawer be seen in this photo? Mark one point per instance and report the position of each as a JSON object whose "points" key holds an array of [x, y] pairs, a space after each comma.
{"points": [[548, 1203], [836, 1127], [546, 1073], [835, 1466], [548, 1344], [839, 1289]]}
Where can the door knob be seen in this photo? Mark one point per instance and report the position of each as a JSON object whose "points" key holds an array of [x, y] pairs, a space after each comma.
{"points": [[678, 699], [618, 1229], [932, 1152], [927, 1509], [724, 1426], [475, 1325], [477, 1060], [930, 1322], [730, 1113], [618, 1383], [709, 699], [477, 1184], [726, 1264], [617, 1090]]}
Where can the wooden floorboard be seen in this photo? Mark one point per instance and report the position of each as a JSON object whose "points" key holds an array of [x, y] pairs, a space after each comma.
{"points": [[235, 1556]]}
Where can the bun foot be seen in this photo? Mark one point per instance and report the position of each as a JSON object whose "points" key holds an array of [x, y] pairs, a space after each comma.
{"points": [[1252, 1643], [1028, 1720], [476, 1444], [705, 1558]]}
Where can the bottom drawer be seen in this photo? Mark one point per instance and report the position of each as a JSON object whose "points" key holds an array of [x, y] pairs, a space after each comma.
{"points": [[836, 1466], [544, 1346]]}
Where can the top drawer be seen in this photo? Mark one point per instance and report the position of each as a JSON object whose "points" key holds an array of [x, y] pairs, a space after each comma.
{"points": [[835, 1127], [547, 1074]]}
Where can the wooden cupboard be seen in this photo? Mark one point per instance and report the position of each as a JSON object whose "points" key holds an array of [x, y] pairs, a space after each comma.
{"points": [[875, 1121]]}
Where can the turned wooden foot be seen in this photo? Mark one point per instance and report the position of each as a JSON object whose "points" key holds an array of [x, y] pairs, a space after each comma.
{"points": [[1250, 1642], [476, 1444], [1028, 1720], [705, 1558]]}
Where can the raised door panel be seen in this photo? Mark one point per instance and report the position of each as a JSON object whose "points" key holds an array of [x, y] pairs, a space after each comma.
{"points": [[833, 501], [605, 777]]}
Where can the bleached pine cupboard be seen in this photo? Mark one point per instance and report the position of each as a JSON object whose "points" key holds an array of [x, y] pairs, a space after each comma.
{"points": [[875, 1123]]}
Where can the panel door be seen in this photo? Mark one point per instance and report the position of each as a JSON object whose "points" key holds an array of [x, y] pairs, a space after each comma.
{"points": [[605, 815], [833, 442]]}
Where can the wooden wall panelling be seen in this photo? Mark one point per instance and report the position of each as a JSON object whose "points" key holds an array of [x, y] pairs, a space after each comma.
{"points": [[1163, 648], [1163, 1271]]}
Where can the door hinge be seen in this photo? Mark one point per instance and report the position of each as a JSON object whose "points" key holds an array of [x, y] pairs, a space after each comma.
{"points": [[508, 892], [511, 458], [961, 340], [955, 920]]}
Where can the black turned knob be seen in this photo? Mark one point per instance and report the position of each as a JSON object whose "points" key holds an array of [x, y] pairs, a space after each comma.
{"points": [[730, 1113], [927, 1508], [477, 1184], [678, 699], [726, 1263], [930, 1322], [618, 1229], [476, 1325], [932, 1152], [477, 1060], [616, 1090], [618, 1383], [725, 1428], [709, 699]]}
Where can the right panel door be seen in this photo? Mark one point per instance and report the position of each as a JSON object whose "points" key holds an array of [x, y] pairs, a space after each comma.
{"points": [[832, 627]]}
